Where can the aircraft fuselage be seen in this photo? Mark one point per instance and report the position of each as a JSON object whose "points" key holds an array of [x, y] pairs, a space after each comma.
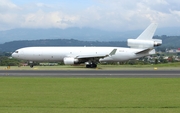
{"points": [[59, 53]]}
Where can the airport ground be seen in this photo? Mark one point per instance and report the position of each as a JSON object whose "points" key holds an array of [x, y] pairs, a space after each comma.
{"points": [[166, 66], [97, 95]]}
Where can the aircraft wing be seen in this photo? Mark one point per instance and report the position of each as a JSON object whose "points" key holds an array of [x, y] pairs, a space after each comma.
{"points": [[97, 55], [91, 56]]}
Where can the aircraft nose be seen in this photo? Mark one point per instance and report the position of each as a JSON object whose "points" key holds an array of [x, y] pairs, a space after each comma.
{"points": [[15, 54]]}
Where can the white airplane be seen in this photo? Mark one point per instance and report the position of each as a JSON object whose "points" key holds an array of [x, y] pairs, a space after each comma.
{"points": [[91, 56]]}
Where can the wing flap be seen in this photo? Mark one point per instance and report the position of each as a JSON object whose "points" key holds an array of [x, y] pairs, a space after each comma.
{"points": [[91, 56]]}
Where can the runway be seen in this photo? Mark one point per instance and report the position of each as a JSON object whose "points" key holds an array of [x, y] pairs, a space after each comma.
{"points": [[92, 73]]}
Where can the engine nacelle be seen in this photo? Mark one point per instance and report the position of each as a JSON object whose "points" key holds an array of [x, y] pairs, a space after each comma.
{"points": [[135, 43], [157, 42], [70, 61]]}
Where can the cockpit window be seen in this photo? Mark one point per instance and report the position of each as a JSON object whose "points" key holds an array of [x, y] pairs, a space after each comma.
{"points": [[16, 51]]}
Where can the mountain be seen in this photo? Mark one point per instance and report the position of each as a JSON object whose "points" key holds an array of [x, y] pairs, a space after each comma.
{"points": [[84, 34]]}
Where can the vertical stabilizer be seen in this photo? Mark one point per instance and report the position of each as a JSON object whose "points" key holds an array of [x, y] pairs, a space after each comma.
{"points": [[148, 33], [144, 40]]}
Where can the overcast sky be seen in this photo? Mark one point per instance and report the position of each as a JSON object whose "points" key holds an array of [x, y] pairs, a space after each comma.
{"points": [[118, 15]]}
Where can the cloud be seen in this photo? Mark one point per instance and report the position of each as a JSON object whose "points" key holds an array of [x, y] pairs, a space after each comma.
{"points": [[7, 6], [139, 13], [41, 19], [102, 14], [176, 15]]}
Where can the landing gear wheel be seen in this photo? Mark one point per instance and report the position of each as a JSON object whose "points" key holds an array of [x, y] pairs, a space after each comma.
{"points": [[91, 66], [31, 65], [88, 66]]}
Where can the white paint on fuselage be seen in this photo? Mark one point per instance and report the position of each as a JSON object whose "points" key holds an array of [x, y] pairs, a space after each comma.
{"points": [[59, 53]]}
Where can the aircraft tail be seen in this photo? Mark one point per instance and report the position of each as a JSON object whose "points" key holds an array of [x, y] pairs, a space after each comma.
{"points": [[144, 40], [148, 33]]}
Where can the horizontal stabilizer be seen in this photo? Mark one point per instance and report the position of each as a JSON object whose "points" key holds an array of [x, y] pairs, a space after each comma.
{"points": [[145, 51]]}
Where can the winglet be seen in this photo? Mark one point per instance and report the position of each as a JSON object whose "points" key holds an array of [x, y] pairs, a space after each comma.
{"points": [[113, 52]]}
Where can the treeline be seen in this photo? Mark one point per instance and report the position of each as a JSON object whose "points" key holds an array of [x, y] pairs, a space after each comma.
{"points": [[7, 61], [168, 42]]}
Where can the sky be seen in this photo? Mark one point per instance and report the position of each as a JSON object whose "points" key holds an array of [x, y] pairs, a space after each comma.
{"points": [[111, 15]]}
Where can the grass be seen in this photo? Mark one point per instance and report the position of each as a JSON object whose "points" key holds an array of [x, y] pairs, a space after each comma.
{"points": [[90, 95]]}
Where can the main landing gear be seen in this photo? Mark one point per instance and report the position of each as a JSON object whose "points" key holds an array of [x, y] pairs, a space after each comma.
{"points": [[31, 64], [91, 65]]}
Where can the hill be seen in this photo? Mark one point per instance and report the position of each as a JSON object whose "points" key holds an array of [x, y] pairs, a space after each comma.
{"points": [[168, 42], [12, 46]]}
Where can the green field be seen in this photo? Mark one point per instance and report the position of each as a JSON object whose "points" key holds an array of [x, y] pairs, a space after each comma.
{"points": [[89, 95]]}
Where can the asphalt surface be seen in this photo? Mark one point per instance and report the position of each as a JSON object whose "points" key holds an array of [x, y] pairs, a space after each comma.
{"points": [[92, 73]]}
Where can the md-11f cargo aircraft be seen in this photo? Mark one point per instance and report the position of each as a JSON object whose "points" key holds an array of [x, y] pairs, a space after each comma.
{"points": [[142, 46]]}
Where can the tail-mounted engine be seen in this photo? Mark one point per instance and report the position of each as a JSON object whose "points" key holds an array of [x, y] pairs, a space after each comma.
{"points": [[136, 43]]}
